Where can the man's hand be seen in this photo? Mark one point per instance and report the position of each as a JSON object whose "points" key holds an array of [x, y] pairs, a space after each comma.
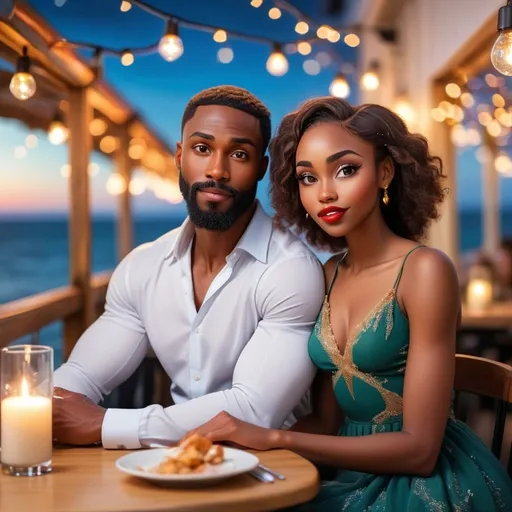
{"points": [[76, 419]]}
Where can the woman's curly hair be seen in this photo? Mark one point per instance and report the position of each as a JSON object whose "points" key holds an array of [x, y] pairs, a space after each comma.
{"points": [[415, 191]]}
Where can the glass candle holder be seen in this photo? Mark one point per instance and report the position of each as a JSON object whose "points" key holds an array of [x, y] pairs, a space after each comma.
{"points": [[26, 379], [479, 293]]}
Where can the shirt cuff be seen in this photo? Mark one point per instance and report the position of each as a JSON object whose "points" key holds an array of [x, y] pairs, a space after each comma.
{"points": [[120, 429]]}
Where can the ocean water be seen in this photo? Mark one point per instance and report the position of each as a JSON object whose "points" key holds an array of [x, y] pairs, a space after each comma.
{"points": [[34, 254]]}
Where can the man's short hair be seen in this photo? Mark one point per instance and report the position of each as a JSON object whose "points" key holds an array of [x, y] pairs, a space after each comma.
{"points": [[234, 97]]}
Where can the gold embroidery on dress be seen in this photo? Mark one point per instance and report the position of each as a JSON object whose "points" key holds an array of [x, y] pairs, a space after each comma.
{"points": [[495, 491], [420, 489], [344, 363]]}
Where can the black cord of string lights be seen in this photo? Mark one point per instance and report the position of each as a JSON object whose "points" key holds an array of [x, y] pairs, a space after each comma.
{"points": [[174, 22]]}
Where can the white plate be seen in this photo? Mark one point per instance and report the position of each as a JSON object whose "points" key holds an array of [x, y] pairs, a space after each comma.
{"points": [[235, 463]]}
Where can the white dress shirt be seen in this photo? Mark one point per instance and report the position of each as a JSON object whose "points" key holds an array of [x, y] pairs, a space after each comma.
{"points": [[245, 350]]}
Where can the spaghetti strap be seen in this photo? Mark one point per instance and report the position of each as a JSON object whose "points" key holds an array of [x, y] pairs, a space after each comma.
{"points": [[333, 278], [400, 272]]}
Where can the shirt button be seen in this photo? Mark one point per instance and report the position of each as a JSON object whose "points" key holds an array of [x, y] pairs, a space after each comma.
{"points": [[197, 377]]}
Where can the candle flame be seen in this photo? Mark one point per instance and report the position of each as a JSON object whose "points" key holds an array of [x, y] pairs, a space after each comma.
{"points": [[24, 387]]}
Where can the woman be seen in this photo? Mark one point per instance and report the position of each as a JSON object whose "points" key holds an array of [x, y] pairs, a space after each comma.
{"points": [[355, 181]]}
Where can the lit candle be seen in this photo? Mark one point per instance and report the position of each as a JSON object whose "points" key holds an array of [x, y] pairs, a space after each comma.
{"points": [[26, 429], [26, 410], [479, 293]]}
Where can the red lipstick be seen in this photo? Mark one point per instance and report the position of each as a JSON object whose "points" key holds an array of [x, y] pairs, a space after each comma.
{"points": [[332, 214]]}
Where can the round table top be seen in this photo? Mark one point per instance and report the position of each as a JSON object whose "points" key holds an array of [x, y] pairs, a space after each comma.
{"points": [[86, 480]]}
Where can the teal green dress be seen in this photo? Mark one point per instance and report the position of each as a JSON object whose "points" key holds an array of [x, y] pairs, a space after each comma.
{"points": [[368, 383]]}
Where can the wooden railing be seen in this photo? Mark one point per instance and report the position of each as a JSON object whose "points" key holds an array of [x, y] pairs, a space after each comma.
{"points": [[29, 315]]}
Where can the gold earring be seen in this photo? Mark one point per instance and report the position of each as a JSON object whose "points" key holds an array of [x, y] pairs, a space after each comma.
{"points": [[385, 196]]}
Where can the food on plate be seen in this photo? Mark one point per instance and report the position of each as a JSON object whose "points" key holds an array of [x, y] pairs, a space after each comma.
{"points": [[192, 456]]}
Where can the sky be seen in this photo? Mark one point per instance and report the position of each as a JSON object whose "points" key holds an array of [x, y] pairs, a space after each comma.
{"points": [[32, 182]]}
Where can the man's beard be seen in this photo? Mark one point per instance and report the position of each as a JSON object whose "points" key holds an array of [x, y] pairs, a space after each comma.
{"points": [[212, 219]]}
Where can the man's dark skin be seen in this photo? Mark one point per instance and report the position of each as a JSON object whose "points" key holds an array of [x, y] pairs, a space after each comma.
{"points": [[220, 144]]}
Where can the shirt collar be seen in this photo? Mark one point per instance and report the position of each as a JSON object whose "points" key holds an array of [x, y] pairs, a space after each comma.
{"points": [[255, 240]]}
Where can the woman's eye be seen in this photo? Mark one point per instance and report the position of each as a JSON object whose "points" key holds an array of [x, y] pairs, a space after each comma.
{"points": [[306, 179], [201, 148], [345, 171]]}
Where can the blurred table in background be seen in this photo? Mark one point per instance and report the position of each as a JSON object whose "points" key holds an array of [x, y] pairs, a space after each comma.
{"points": [[496, 316]]}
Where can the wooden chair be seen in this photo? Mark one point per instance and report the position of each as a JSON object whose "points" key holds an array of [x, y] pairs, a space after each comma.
{"points": [[491, 379]]}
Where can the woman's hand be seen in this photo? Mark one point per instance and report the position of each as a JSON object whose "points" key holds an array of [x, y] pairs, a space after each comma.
{"points": [[225, 427]]}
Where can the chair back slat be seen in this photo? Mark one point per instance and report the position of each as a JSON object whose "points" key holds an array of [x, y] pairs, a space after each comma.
{"points": [[484, 377]]}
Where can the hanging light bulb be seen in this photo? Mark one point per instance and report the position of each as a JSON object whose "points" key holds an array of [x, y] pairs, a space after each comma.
{"points": [[339, 86], [23, 85], [220, 36], [170, 46], [57, 131], [125, 6], [127, 58], [277, 64], [370, 80], [501, 53], [405, 110], [302, 27]]}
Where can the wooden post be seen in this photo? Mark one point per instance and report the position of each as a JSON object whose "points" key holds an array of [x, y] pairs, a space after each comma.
{"points": [[80, 144], [444, 234], [124, 215], [491, 200]]}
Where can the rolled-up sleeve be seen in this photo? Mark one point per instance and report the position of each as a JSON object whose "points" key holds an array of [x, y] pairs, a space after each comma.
{"points": [[271, 376]]}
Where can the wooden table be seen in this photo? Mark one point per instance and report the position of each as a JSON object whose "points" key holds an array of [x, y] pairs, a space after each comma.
{"points": [[86, 480], [497, 316]]}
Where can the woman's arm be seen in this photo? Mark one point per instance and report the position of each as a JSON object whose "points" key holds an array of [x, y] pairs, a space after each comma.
{"points": [[430, 294], [326, 417]]}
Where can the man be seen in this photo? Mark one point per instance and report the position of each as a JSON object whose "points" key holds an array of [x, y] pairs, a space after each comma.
{"points": [[226, 301]]}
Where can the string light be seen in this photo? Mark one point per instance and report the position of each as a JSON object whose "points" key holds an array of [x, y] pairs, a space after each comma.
{"points": [[57, 131], [125, 6], [274, 13], [370, 79], [31, 141], [127, 58], [277, 64], [453, 90], [501, 53], [333, 36], [323, 32], [312, 67], [302, 28], [405, 110], [225, 55], [304, 48], [23, 85], [97, 127], [220, 36], [339, 86], [352, 40], [116, 184], [137, 186], [170, 46], [108, 144]]}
